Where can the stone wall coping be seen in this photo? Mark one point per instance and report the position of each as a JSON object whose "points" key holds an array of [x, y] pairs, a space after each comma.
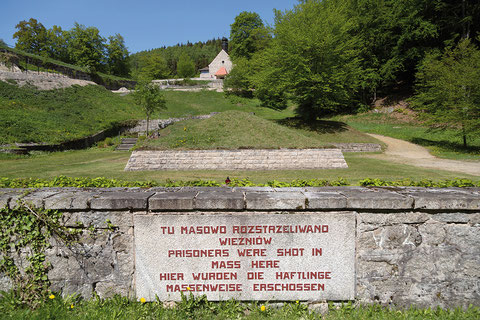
{"points": [[246, 198]]}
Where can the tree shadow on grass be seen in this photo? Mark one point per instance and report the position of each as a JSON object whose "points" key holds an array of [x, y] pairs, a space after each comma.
{"points": [[447, 145], [319, 126]]}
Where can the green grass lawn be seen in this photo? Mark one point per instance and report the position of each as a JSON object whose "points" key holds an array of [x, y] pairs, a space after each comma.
{"points": [[30, 115], [444, 143], [96, 162], [235, 129], [180, 104], [199, 308]]}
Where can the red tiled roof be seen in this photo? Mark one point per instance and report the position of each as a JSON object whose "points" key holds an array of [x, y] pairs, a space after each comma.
{"points": [[221, 72]]}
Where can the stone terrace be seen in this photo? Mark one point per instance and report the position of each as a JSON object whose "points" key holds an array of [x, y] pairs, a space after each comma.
{"points": [[248, 159]]}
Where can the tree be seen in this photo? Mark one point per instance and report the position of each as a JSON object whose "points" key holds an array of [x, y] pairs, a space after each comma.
{"points": [[248, 35], [31, 36], [86, 47], [117, 56], [185, 66], [153, 67], [238, 81], [150, 98], [57, 46], [448, 90], [313, 57]]}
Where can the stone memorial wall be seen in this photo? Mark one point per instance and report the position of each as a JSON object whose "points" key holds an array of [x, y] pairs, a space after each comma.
{"points": [[401, 246]]}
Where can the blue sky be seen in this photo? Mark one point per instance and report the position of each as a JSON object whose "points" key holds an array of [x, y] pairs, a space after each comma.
{"points": [[145, 24]]}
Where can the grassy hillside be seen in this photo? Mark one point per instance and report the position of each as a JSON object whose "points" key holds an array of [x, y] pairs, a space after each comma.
{"points": [[195, 103], [30, 115], [235, 129]]}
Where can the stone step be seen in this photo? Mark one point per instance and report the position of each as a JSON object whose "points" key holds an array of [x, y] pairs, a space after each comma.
{"points": [[125, 146], [129, 140]]}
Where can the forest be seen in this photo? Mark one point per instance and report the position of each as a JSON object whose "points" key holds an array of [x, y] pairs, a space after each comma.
{"points": [[336, 56]]}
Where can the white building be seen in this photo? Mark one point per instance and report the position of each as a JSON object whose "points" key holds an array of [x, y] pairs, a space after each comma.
{"points": [[220, 66]]}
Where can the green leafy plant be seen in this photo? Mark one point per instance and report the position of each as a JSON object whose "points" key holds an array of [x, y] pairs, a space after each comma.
{"points": [[25, 234]]}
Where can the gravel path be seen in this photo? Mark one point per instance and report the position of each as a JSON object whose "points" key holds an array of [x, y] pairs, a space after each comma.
{"points": [[408, 153]]}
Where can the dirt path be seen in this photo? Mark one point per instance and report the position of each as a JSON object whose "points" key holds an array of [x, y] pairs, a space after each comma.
{"points": [[408, 153]]}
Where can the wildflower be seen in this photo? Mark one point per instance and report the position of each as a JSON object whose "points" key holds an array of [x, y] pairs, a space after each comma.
{"points": [[71, 306], [51, 297], [263, 308], [142, 300], [188, 288]]}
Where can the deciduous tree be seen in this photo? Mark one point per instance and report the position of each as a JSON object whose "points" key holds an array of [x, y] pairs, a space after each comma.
{"points": [[314, 57], [117, 56], [185, 66], [31, 36], [248, 35], [448, 89], [150, 98], [86, 47]]}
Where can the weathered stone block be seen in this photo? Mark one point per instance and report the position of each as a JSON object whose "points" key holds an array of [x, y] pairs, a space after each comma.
{"points": [[34, 199], [325, 200], [69, 201], [121, 200], [219, 200], [445, 200], [275, 200], [376, 199], [181, 200]]}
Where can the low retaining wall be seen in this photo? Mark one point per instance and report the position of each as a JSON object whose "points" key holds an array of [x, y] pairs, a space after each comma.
{"points": [[81, 143], [247, 159], [358, 147], [157, 124], [412, 246]]}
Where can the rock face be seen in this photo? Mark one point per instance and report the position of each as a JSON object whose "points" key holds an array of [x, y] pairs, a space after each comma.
{"points": [[249, 159], [413, 246]]}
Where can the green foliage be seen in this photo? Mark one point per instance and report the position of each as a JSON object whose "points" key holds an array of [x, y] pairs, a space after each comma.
{"points": [[238, 81], [460, 183], [100, 182], [31, 115], [82, 46], [117, 56], [185, 66], [25, 234], [86, 47], [248, 35], [57, 46], [150, 98], [197, 307], [201, 53], [154, 67], [448, 90], [31, 36], [316, 59]]}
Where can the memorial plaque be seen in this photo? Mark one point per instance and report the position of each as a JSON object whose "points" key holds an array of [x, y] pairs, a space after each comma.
{"points": [[246, 256]]}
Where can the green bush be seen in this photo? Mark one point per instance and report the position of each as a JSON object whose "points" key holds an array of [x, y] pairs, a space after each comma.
{"points": [[100, 182]]}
